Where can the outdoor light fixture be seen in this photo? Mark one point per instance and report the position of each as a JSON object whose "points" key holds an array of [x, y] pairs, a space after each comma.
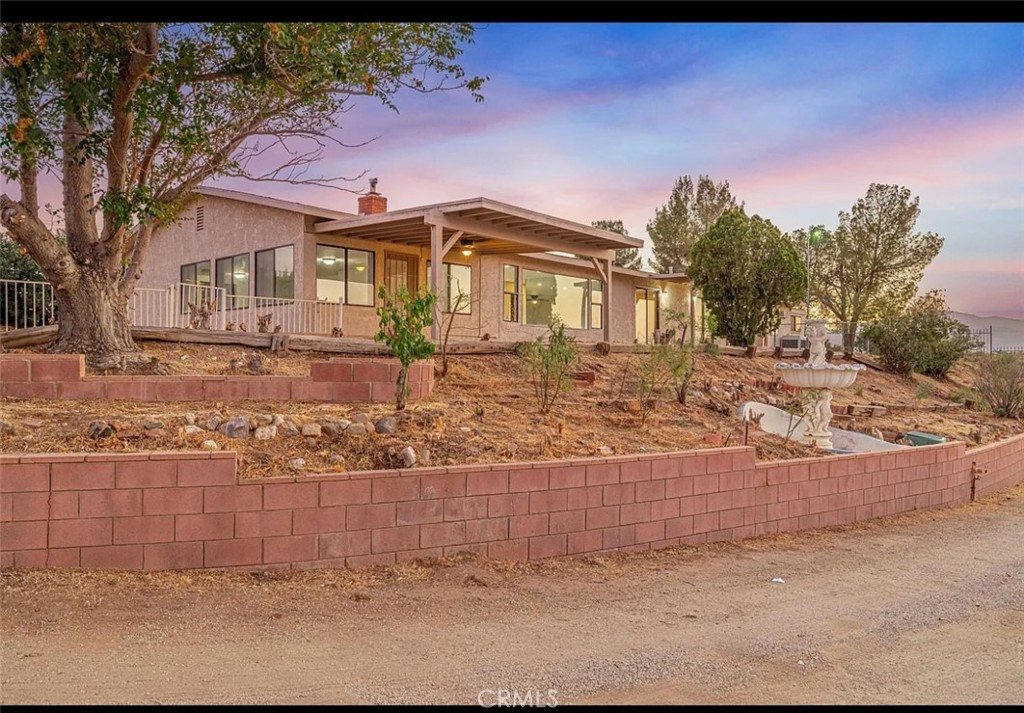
{"points": [[533, 299], [467, 247], [360, 268], [329, 260], [239, 274]]}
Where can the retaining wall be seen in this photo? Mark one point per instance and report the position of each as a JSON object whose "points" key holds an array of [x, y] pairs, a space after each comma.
{"points": [[340, 380], [174, 510]]}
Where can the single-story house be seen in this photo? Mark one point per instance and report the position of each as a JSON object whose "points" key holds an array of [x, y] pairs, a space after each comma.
{"points": [[505, 270]]}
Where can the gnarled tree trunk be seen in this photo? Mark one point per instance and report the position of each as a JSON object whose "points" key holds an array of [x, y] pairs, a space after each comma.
{"points": [[93, 320]]}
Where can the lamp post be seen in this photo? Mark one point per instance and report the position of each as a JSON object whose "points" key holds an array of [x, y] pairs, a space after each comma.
{"points": [[814, 237]]}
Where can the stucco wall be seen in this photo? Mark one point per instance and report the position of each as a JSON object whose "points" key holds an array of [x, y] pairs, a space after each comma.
{"points": [[230, 228]]}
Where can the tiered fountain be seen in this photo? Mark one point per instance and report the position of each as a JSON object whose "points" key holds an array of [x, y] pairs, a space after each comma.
{"points": [[817, 378]]}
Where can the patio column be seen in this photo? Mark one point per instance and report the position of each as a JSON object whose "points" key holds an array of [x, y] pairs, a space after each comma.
{"points": [[608, 300], [436, 274]]}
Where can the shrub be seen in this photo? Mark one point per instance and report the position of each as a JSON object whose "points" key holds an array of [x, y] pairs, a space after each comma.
{"points": [[647, 375], [924, 339], [1000, 379], [403, 317], [549, 363]]}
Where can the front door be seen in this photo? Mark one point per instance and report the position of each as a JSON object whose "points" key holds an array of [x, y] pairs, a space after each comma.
{"points": [[646, 315], [400, 271]]}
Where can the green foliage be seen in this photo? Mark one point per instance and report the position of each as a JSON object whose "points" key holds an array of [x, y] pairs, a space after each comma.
{"points": [[648, 374], [685, 219], [871, 264], [924, 338], [626, 257], [15, 264], [549, 363], [962, 395], [712, 349], [746, 271], [924, 391], [403, 317], [1000, 379]]}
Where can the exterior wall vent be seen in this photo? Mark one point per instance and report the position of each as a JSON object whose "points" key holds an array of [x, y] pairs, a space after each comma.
{"points": [[200, 219]]}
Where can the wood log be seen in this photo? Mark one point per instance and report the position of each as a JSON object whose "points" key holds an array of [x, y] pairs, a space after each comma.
{"points": [[28, 337]]}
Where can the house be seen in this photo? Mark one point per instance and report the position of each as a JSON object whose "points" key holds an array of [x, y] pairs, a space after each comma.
{"points": [[505, 270]]}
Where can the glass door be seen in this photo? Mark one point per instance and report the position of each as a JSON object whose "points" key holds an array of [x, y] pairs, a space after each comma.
{"points": [[647, 308], [400, 271]]}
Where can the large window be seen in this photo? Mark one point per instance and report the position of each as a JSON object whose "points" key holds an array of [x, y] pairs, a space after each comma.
{"points": [[457, 285], [563, 296], [275, 273], [510, 299], [233, 276], [196, 278], [344, 275]]}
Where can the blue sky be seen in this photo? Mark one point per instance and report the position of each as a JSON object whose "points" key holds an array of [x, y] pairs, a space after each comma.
{"points": [[596, 121]]}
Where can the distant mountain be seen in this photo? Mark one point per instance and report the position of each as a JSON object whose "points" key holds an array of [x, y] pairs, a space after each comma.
{"points": [[1006, 332]]}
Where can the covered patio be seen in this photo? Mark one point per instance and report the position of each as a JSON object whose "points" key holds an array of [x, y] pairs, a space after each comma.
{"points": [[482, 226]]}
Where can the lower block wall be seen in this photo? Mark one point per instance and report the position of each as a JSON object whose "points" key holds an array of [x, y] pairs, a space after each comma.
{"points": [[182, 510], [340, 380]]}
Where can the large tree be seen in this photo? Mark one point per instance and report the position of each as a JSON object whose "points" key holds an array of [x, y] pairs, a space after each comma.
{"points": [[133, 117], [624, 257], [746, 270], [871, 264], [685, 219]]}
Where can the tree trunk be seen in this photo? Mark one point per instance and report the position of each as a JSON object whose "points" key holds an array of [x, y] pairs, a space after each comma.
{"points": [[849, 336], [93, 320], [401, 389]]}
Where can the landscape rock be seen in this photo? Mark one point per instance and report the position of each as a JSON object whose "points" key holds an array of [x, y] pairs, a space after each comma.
{"points": [[408, 457], [235, 427], [190, 418], [155, 433], [6, 429], [100, 429], [386, 424], [265, 433], [311, 442], [425, 457], [118, 425], [297, 463], [343, 424], [312, 429], [277, 420], [192, 429], [336, 459], [465, 429], [360, 418], [604, 451], [356, 429], [330, 429], [714, 438], [210, 445], [31, 423], [150, 425], [264, 419], [211, 422], [288, 427]]}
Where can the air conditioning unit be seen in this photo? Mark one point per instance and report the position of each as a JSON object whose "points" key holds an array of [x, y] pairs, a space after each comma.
{"points": [[791, 342]]}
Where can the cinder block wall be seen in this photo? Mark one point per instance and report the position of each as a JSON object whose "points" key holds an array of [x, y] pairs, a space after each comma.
{"points": [[175, 510], [340, 380]]}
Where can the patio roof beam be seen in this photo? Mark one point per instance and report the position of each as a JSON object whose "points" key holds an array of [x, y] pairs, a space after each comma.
{"points": [[487, 230]]}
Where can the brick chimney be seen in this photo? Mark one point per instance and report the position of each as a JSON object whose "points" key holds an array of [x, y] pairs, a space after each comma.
{"points": [[373, 202]]}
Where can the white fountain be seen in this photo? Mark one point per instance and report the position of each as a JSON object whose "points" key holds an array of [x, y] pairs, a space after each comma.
{"points": [[817, 378]]}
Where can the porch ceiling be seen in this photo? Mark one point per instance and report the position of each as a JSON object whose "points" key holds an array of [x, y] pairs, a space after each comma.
{"points": [[494, 227]]}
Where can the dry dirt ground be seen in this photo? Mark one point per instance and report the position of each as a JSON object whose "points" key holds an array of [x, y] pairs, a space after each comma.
{"points": [[926, 607], [485, 411]]}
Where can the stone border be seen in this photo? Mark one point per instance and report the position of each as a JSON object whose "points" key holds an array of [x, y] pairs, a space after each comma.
{"points": [[184, 510], [340, 380]]}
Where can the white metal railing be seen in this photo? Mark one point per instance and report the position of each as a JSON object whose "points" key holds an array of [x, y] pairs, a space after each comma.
{"points": [[32, 304], [292, 316], [26, 303]]}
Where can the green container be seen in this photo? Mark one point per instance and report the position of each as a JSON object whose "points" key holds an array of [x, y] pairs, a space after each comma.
{"points": [[919, 438]]}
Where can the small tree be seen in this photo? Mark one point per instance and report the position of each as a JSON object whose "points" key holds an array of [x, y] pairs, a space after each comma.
{"points": [[746, 270], [460, 301], [1000, 379], [924, 338], [549, 363], [403, 318]]}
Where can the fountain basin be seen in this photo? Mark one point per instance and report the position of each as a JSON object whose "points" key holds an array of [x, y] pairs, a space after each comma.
{"points": [[819, 377]]}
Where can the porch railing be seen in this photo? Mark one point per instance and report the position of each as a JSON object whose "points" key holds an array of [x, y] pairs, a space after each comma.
{"points": [[33, 304]]}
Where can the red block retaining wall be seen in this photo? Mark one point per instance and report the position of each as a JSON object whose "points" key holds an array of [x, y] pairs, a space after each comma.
{"points": [[340, 380], [179, 510]]}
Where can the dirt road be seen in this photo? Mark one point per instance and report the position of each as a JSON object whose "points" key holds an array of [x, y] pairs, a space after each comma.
{"points": [[922, 608]]}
